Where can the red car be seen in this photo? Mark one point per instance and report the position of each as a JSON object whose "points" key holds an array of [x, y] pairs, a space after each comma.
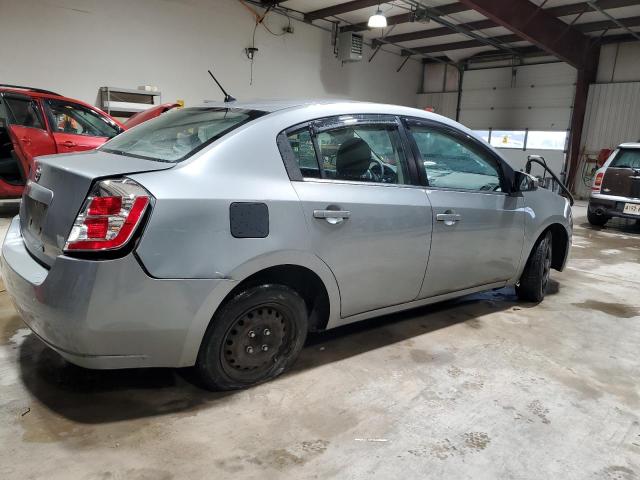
{"points": [[36, 122]]}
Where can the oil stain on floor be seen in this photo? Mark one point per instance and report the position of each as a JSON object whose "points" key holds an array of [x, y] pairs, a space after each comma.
{"points": [[613, 309]]}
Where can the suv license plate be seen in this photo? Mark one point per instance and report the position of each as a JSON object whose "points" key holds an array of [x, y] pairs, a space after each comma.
{"points": [[632, 208]]}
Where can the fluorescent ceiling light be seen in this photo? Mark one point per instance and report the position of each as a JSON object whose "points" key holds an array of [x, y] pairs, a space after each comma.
{"points": [[378, 20]]}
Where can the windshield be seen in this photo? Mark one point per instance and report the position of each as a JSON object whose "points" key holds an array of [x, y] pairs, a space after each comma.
{"points": [[176, 135], [627, 159]]}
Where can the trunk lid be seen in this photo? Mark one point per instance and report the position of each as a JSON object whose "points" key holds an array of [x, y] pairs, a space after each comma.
{"points": [[58, 188], [622, 177]]}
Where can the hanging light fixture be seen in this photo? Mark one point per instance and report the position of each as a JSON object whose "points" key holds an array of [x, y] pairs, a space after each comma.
{"points": [[378, 20]]}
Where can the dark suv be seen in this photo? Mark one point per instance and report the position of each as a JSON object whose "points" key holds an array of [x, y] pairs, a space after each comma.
{"points": [[616, 187]]}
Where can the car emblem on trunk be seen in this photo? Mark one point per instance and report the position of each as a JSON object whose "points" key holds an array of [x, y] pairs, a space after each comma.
{"points": [[37, 174]]}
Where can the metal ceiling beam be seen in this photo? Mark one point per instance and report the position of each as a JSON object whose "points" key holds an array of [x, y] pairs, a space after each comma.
{"points": [[393, 20], [340, 9], [360, 4], [584, 27], [484, 24], [561, 11], [539, 27], [438, 32], [576, 8], [445, 47], [614, 20], [608, 24]]}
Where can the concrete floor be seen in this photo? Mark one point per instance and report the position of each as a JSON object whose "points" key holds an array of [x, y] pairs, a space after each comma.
{"points": [[480, 388]]}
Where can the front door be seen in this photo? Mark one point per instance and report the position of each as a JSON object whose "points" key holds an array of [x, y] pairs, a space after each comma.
{"points": [[478, 228], [368, 219], [27, 130], [76, 127]]}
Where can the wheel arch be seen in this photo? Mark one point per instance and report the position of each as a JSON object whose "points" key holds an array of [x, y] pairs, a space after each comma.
{"points": [[305, 273], [560, 238]]}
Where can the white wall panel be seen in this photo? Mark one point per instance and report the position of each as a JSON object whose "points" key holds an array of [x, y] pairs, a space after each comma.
{"points": [[76, 46], [619, 62], [442, 103], [613, 115]]}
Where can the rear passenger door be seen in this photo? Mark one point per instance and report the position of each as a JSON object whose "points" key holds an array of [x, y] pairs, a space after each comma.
{"points": [[478, 227], [27, 129], [368, 218]]}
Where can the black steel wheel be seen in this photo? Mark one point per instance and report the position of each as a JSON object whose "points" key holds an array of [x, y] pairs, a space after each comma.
{"points": [[535, 278], [254, 337]]}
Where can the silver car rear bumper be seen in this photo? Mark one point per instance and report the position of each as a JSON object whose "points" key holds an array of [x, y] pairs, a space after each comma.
{"points": [[108, 313]]}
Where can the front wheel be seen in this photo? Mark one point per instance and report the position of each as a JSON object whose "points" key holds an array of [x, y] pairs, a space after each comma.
{"points": [[535, 278], [254, 337]]}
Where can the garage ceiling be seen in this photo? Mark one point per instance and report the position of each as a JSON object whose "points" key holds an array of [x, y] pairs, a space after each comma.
{"points": [[457, 30]]}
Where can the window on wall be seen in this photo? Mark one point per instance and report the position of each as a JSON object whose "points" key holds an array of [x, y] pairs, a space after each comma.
{"points": [[521, 139], [547, 140], [508, 138], [484, 134]]}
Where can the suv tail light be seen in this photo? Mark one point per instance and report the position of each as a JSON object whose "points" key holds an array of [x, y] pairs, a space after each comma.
{"points": [[109, 216], [597, 182]]}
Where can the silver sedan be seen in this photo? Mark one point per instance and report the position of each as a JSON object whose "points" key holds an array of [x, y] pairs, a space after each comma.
{"points": [[218, 236]]}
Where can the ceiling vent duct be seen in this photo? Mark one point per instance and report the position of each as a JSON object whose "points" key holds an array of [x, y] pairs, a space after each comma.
{"points": [[350, 47]]}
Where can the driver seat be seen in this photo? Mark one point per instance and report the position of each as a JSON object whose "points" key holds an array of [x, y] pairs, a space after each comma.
{"points": [[353, 159]]}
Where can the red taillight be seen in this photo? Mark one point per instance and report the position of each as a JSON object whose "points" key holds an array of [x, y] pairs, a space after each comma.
{"points": [[597, 182], [109, 216], [105, 206]]}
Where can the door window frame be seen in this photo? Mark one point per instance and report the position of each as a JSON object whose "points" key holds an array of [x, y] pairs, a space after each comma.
{"points": [[47, 112], [505, 172], [335, 122], [10, 117]]}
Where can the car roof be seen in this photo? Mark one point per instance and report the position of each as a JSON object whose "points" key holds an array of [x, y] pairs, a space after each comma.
{"points": [[629, 145], [30, 91], [330, 106], [273, 105]]}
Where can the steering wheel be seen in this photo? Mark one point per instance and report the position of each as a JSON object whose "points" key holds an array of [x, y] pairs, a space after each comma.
{"points": [[376, 162]]}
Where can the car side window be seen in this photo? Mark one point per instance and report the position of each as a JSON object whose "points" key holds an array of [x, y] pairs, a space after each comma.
{"points": [[304, 152], [449, 162], [24, 112], [363, 153], [67, 117]]}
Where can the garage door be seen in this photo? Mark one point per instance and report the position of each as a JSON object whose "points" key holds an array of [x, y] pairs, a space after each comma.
{"points": [[534, 97]]}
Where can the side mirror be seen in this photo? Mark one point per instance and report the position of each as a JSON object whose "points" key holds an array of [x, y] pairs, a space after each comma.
{"points": [[525, 182]]}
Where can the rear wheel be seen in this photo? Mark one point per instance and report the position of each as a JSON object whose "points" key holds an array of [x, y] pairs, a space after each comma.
{"points": [[254, 337], [535, 278], [596, 219]]}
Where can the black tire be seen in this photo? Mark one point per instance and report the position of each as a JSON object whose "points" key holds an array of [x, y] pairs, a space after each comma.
{"points": [[595, 219], [252, 338], [535, 278]]}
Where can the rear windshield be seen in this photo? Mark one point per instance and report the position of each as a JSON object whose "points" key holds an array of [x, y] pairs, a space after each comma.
{"points": [[176, 135], [627, 159]]}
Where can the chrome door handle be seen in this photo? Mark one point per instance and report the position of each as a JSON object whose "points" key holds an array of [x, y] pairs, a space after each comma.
{"points": [[448, 218], [332, 216]]}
